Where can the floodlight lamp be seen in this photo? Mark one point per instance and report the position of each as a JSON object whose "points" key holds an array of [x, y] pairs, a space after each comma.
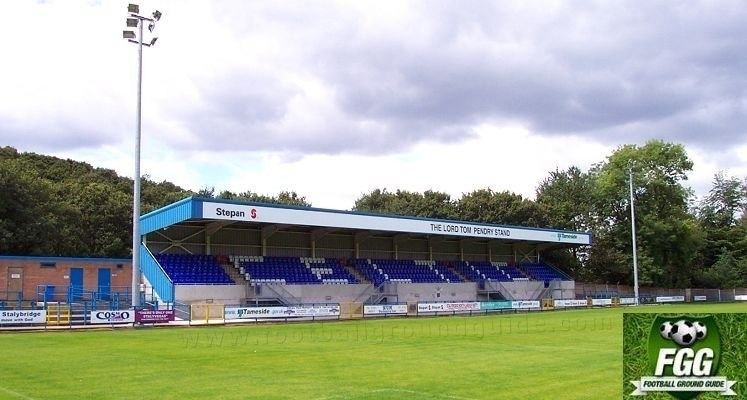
{"points": [[157, 15], [153, 41], [128, 34], [151, 26], [132, 22], [133, 8]]}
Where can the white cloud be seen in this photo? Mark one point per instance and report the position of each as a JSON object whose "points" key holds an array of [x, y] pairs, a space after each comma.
{"points": [[507, 158], [333, 99]]}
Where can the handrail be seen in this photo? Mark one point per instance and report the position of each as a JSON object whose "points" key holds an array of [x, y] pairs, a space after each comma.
{"points": [[158, 278], [282, 296]]}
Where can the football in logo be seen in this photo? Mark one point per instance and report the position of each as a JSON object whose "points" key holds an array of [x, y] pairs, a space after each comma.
{"points": [[666, 330], [684, 333], [700, 329]]}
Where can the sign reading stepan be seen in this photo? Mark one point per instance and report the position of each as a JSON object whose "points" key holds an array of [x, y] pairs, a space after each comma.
{"points": [[684, 357], [277, 215]]}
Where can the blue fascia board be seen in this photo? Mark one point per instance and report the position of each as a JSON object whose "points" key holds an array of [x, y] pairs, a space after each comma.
{"points": [[290, 207], [166, 207], [65, 259], [171, 214]]}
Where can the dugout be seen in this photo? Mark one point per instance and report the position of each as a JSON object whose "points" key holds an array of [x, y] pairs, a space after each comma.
{"points": [[236, 230]]}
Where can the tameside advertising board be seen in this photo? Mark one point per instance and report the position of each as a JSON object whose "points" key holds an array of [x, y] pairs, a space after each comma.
{"points": [[277, 215], [332, 310], [525, 304]]}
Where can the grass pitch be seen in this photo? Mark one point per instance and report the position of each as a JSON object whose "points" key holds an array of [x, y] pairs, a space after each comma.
{"points": [[552, 355]]}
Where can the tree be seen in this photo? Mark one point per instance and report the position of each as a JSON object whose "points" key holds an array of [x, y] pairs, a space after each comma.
{"points": [[725, 234], [728, 272], [508, 208], [207, 193], [429, 204], [566, 198], [50, 206], [284, 197], [667, 234], [23, 210], [726, 199]]}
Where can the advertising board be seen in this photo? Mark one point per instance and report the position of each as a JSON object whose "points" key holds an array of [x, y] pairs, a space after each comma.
{"points": [[385, 309], [23, 317], [669, 299], [525, 304], [449, 307], [112, 317], [328, 310], [154, 316]]}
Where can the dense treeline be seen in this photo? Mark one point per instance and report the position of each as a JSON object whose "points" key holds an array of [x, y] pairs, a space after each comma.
{"points": [[681, 242], [52, 206]]}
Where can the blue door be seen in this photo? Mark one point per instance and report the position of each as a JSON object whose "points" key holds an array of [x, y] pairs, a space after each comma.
{"points": [[76, 283], [105, 280]]}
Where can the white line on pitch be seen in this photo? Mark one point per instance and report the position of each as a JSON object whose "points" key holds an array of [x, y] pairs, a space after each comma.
{"points": [[19, 395], [443, 396]]}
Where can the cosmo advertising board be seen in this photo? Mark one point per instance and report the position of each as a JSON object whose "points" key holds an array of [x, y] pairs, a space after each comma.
{"points": [[670, 299], [112, 317], [23, 317], [276, 215], [740, 297], [449, 307], [525, 305], [570, 303], [282, 312], [626, 301], [385, 309], [700, 298]]}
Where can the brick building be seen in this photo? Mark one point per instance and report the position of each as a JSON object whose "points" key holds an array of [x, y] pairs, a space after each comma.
{"points": [[32, 275]]}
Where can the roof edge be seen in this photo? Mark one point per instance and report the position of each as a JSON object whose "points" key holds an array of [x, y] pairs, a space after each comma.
{"points": [[371, 214], [64, 258], [169, 206]]}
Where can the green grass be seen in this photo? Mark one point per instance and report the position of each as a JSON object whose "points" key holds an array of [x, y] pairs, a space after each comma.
{"points": [[559, 355]]}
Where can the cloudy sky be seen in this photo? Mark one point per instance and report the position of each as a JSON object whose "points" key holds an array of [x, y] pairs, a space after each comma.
{"points": [[333, 99]]}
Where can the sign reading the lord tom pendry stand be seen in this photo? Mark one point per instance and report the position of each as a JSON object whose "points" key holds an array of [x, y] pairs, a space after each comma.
{"points": [[680, 355]]}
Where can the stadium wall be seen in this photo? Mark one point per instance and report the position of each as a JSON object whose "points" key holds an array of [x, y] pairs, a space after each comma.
{"points": [[518, 290], [414, 292], [55, 271], [316, 293], [220, 294]]}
